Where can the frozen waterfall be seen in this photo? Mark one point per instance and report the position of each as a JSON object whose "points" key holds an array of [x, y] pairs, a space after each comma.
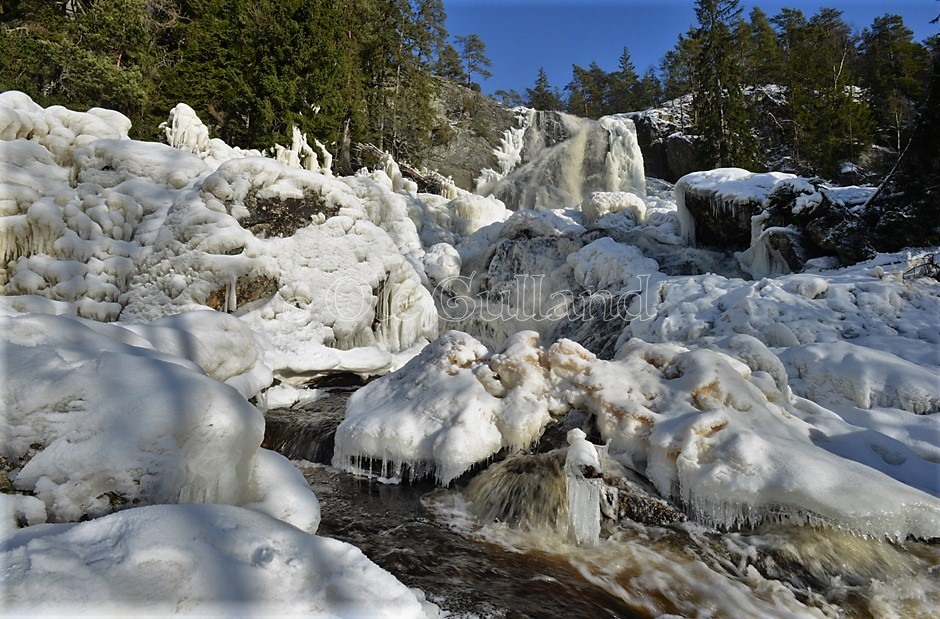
{"points": [[554, 160]]}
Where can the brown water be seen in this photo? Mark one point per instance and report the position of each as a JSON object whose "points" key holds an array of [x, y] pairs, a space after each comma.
{"points": [[498, 547]]}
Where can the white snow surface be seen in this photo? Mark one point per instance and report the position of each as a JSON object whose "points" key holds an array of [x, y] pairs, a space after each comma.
{"points": [[103, 416], [195, 560]]}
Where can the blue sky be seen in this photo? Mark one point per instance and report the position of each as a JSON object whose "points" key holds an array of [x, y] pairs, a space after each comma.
{"points": [[522, 35]]}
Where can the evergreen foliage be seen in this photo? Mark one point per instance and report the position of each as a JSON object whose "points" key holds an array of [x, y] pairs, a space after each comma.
{"points": [[473, 54], [894, 73], [722, 117], [361, 70], [542, 96]]}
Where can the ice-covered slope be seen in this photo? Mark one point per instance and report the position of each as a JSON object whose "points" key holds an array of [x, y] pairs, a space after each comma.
{"points": [[329, 270], [195, 560]]}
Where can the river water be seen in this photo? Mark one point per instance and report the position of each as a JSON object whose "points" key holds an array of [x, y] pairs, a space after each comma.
{"points": [[496, 545]]}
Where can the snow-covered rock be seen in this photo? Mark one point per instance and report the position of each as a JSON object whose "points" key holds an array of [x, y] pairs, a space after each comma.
{"points": [[195, 560]]}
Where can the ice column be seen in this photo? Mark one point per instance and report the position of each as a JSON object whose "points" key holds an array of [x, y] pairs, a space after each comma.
{"points": [[584, 489]]}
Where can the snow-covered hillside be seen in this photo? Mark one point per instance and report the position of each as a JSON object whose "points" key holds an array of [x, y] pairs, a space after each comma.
{"points": [[158, 298]]}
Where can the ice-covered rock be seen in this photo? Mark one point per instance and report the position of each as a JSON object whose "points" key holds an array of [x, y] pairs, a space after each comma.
{"points": [[717, 429], [102, 417], [452, 406]]}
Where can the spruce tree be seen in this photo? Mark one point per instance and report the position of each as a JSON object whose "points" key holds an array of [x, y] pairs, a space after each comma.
{"points": [[473, 54], [542, 96], [721, 114], [623, 86]]}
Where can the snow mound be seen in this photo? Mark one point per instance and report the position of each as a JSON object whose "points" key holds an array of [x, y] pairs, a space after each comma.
{"points": [[599, 204], [865, 377], [195, 560], [100, 417]]}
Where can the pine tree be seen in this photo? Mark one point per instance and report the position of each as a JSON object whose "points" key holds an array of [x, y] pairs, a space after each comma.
{"points": [[721, 113], [473, 54], [509, 97], [542, 96], [764, 59], [449, 65]]}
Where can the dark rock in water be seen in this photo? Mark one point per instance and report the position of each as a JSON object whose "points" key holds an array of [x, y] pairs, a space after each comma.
{"points": [[596, 322], [721, 223], [634, 501], [306, 432], [284, 216], [788, 244]]}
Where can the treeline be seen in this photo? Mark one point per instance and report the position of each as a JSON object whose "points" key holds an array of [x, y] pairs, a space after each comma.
{"points": [[341, 70], [844, 90]]}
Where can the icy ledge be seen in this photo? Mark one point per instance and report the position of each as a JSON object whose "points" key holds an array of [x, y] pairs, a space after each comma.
{"points": [[717, 430]]}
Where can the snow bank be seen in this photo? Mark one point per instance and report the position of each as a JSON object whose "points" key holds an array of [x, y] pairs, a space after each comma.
{"points": [[195, 560], [100, 417]]}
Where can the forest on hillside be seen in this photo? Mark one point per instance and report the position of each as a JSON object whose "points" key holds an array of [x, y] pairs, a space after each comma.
{"points": [[350, 71]]}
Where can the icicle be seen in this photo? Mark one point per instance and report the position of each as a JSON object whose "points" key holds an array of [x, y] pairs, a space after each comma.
{"points": [[584, 494]]}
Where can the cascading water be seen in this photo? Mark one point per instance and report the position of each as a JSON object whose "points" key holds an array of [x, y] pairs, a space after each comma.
{"points": [[563, 159]]}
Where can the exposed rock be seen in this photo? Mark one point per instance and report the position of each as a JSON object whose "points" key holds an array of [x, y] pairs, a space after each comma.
{"points": [[668, 153], [282, 217], [468, 128], [633, 500], [247, 289]]}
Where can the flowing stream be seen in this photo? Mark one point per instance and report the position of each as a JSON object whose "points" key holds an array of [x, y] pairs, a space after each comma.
{"points": [[496, 544]]}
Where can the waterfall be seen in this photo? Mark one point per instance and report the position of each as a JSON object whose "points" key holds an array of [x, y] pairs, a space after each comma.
{"points": [[563, 158]]}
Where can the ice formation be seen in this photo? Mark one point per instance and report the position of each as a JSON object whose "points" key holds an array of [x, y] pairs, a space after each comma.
{"points": [[584, 492], [718, 430], [450, 407], [725, 189], [141, 230]]}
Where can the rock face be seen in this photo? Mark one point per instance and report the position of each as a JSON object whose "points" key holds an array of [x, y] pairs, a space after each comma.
{"points": [[796, 219], [668, 153], [469, 127]]}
